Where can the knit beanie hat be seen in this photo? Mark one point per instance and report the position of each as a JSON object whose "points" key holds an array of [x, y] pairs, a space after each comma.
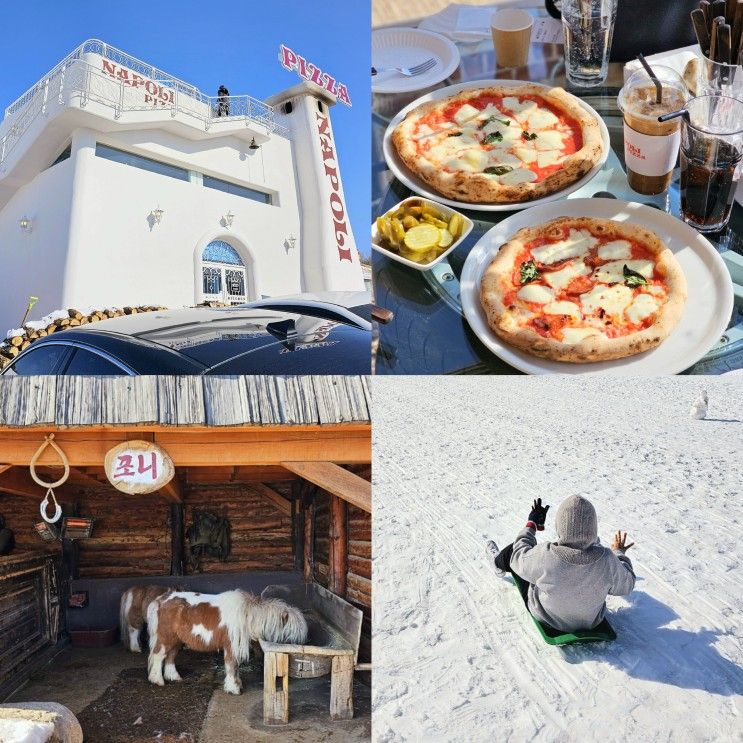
{"points": [[577, 529]]}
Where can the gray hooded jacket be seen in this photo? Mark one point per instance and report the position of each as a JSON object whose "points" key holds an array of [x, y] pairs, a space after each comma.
{"points": [[571, 578]]}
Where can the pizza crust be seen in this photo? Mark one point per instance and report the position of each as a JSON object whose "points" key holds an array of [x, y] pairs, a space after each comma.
{"points": [[479, 188], [505, 322]]}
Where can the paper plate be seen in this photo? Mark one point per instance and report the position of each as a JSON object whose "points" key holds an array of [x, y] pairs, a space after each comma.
{"points": [[706, 313], [406, 47], [412, 181]]}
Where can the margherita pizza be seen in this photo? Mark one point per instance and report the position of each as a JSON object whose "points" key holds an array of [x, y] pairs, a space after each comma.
{"points": [[500, 144], [583, 289]]}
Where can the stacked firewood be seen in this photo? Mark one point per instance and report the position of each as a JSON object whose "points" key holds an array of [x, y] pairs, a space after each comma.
{"points": [[21, 338]]}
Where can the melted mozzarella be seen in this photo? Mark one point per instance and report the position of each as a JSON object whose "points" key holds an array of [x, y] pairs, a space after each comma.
{"points": [[477, 158], [502, 157], [612, 299], [424, 131], [518, 107], [563, 308], [551, 140], [465, 113], [536, 293], [545, 159], [526, 154], [613, 273], [578, 243], [541, 118], [519, 175], [575, 335], [560, 279], [652, 289], [615, 249], [643, 306]]}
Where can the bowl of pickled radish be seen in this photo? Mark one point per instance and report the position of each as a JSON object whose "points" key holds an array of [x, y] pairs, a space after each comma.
{"points": [[419, 232]]}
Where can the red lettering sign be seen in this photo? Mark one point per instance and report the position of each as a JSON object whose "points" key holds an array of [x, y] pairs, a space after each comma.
{"points": [[156, 94], [337, 207], [292, 61]]}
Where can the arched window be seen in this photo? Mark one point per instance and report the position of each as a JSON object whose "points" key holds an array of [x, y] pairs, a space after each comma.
{"points": [[223, 274]]}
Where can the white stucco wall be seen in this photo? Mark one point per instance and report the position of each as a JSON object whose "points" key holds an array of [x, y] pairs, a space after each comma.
{"points": [[33, 263], [119, 257]]}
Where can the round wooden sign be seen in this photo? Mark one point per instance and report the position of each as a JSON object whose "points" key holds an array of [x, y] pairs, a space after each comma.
{"points": [[138, 467]]}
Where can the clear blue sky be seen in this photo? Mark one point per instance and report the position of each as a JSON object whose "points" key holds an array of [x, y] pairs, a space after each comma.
{"points": [[210, 42]]}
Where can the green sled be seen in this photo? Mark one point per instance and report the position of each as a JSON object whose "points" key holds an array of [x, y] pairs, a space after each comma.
{"points": [[552, 636]]}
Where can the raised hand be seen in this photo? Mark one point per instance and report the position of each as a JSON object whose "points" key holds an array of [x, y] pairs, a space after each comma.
{"points": [[620, 542], [538, 514]]}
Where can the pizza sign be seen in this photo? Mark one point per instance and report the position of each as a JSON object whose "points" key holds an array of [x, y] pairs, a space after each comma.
{"points": [[138, 467], [292, 61]]}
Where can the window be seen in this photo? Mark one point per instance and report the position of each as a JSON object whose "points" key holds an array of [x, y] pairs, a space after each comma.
{"points": [[137, 161], [86, 362], [43, 360], [247, 193], [223, 274], [64, 155]]}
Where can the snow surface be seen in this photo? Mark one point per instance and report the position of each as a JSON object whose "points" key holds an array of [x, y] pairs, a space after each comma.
{"points": [[458, 460], [25, 731]]}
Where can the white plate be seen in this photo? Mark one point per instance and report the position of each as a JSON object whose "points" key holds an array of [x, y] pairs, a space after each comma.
{"points": [[406, 47], [412, 181], [706, 313]]}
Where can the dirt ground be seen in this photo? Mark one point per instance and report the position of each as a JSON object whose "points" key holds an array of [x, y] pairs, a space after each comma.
{"points": [[108, 691]]}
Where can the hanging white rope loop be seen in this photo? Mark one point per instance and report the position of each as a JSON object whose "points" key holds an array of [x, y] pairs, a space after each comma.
{"points": [[49, 441], [45, 504]]}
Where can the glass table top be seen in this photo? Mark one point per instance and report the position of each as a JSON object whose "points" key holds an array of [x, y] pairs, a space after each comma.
{"points": [[428, 333]]}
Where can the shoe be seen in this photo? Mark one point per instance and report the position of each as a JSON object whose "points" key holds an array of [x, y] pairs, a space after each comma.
{"points": [[492, 551]]}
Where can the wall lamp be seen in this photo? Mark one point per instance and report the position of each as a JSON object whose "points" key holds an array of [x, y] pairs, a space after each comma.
{"points": [[157, 215], [291, 241], [25, 224], [228, 219], [253, 145]]}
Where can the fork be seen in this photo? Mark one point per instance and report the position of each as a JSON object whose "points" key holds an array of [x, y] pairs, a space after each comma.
{"points": [[418, 69]]}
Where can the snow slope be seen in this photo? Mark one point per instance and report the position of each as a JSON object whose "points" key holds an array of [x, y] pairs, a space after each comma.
{"points": [[458, 460]]}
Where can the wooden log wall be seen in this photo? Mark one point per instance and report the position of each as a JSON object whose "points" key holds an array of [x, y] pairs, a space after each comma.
{"points": [[321, 571], [261, 533], [20, 515], [359, 578]]}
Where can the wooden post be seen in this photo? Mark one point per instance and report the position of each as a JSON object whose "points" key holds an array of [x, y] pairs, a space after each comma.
{"points": [[177, 556], [338, 547], [70, 548], [309, 533], [276, 688], [341, 688], [298, 525]]}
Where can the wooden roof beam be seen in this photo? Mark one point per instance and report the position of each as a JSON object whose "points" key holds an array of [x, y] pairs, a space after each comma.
{"points": [[17, 481], [172, 491], [336, 480], [276, 499]]}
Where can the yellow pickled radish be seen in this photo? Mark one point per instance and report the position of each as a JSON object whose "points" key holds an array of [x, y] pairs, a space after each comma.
{"points": [[446, 239], [422, 238], [409, 222], [456, 226], [383, 228], [397, 231]]}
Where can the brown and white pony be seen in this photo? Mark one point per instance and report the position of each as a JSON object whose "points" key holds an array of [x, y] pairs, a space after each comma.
{"points": [[133, 613], [224, 621]]}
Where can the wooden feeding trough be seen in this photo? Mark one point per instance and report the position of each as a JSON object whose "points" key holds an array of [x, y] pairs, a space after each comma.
{"points": [[332, 646], [284, 462]]}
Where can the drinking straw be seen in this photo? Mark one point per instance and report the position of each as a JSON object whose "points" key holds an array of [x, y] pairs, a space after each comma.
{"points": [[675, 114], [658, 86]]}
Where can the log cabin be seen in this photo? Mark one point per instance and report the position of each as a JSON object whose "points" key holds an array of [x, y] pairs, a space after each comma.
{"points": [[285, 460]]}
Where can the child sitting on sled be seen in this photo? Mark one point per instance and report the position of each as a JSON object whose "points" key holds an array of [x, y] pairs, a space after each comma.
{"points": [[569, 579]]}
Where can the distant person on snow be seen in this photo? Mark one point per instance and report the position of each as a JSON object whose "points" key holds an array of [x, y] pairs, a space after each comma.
{"points": [[569, 579], [699, 407], [223, 101]]}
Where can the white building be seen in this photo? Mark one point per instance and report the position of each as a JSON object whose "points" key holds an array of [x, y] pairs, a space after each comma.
{"points": [[122, 185]]}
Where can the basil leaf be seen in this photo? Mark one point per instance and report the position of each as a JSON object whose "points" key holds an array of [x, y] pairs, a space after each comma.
{"points": [[490, 119], [632, 278], [528, 272], [528, 137], [454, 134], [493, 137], [498, 169]]}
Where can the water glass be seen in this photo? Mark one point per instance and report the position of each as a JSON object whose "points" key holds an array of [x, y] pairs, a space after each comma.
{"points": [[588, 26], [718, 77], [711, 154]]}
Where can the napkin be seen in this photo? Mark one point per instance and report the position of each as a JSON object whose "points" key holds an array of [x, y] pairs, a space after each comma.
{"points": [[676, 59], [470, 23]]}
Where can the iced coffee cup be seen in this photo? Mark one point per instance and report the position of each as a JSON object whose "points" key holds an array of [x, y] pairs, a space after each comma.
{"points": [[650, 146]]}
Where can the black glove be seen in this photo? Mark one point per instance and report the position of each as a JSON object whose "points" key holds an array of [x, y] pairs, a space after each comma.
{"points": [[538, 514]]}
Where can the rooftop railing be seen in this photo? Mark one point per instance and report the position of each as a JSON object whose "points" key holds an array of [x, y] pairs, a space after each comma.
{"points": [[74, 75]]}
